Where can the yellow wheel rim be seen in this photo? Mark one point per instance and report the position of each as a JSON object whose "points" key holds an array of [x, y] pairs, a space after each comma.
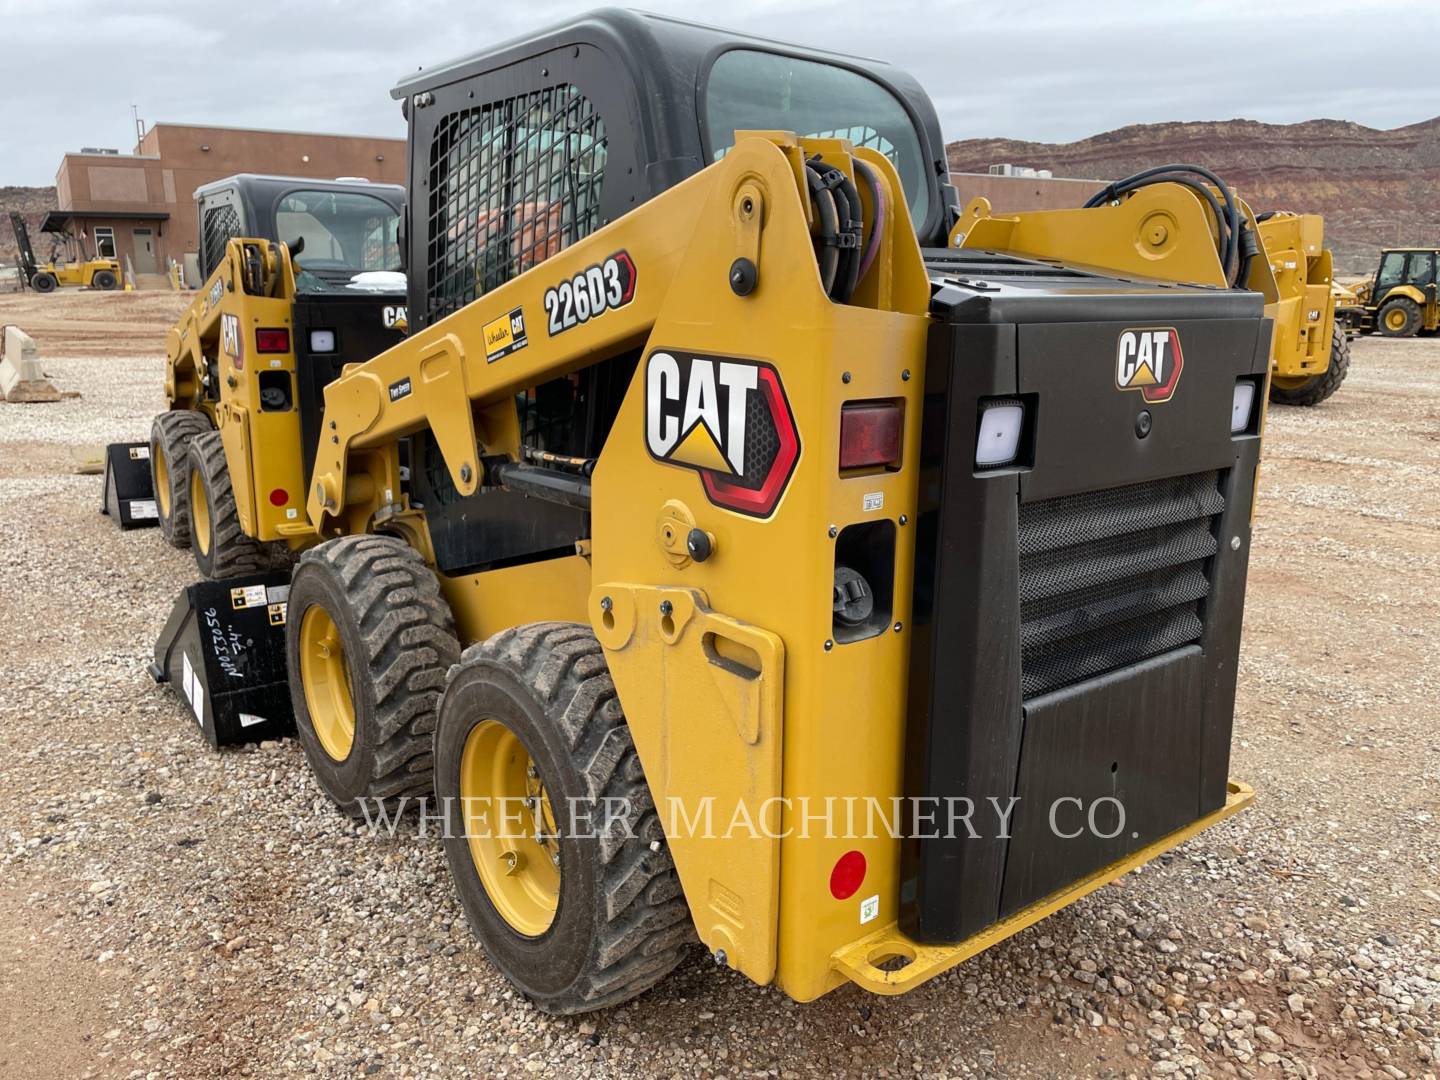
{"points": [[326, 679], [162, 480], [510, 828], [199, 512], [1395, 319]]}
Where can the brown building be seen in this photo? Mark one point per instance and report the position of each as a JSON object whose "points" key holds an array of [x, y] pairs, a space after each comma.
{"points": [[142, 206], [1014, 194]]}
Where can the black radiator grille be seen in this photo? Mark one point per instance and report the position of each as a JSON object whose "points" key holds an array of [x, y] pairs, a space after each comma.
{"points": [[511, 183], [1111, 577]]}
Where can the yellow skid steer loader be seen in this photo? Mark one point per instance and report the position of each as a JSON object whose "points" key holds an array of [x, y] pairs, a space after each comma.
{"points": [[302, 278], [733, 557]]}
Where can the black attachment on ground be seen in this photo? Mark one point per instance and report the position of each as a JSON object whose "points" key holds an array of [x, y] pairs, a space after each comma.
{"points": [[223, 650], [128, 496]]}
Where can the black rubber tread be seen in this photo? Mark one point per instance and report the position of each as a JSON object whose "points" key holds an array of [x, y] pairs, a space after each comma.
{"points": [[1413, 318], [232, 553], [104, 279], [1319, 387], [399, 634], [170, 435], [639, 927], [44, 283]]}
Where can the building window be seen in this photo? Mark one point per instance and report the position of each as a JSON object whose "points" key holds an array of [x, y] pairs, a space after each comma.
{"points": [[104, 242]]}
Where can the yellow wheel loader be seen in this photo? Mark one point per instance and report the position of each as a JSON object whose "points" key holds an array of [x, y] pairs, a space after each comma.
{"points": [[730, 557], [1125, 228], [302, 277], [1311, 355], [1400, 299], [97, 273]]}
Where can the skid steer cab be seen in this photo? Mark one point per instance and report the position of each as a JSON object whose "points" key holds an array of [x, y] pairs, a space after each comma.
{"points": [[302, 277], [728, 556]]}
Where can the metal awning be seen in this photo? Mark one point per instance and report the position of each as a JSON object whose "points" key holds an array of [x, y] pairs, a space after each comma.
{"points": [[57, 220]]}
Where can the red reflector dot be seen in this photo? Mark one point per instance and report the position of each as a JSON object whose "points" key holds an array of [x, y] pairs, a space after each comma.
{"points": [[848, 875], [279, 497]]}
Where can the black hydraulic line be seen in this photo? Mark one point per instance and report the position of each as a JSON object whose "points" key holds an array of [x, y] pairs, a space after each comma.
{"points": [[829, 254], [855, 227], [877, 226], [551, 485], [1229, 222], [826, 180]]}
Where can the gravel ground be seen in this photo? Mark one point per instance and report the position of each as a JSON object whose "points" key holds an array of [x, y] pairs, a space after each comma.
{"points": [[166, 911]]}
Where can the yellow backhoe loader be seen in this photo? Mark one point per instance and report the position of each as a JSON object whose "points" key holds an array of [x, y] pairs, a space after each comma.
{"points": [[1401, 299], [733, 558]]}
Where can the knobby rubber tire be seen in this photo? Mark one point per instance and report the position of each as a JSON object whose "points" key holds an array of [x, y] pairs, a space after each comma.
{"points": [[621, 923], [1319, 387], [170, 437], [232, 553], [399, 641]]}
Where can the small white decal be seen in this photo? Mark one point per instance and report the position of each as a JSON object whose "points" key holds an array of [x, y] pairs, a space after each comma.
{"points": [[869, 909], [143, 508], [873, 500]]}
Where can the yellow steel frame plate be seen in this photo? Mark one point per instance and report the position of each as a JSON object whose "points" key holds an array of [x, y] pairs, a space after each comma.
{"points": [[857, 960]]}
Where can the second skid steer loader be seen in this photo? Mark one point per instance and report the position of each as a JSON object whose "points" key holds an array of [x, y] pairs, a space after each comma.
{"points": [[301, 277]]}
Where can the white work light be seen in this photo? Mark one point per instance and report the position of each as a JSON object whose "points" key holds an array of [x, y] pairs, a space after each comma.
{"points": [[1241, 404], [322, 341], [999, 440]]}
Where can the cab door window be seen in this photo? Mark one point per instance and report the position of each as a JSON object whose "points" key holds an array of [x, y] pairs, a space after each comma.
{"points": [[1392, 268], [1422, 268]]}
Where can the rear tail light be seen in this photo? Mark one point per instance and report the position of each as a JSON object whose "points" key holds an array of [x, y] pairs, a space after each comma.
{"points": [[871, 433], [272, 340], [998, 441]]}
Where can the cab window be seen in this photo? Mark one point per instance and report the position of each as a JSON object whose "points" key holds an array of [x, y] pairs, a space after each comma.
{"points": [[749, 90], [1392, 267], [340, 231], [1422, 268]]}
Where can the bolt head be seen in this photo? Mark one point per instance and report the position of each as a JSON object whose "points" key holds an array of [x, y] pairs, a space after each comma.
{"points": [[1235, 543], [720, 958], [845, 377], [904, 519], [666, 607], [897, 627], [829, 644], [832, 532], [905, 375], [606, 603]]}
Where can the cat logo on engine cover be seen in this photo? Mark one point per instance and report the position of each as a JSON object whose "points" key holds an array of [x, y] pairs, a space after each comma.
{"points": [[726, 418], [1149, 359]]}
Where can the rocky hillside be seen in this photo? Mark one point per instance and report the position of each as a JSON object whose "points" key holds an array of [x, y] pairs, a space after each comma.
{"points": [[32, 202], [1375, 188]]}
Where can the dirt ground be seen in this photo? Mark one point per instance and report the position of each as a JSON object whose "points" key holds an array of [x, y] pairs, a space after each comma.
{"points": [[166, 911]]}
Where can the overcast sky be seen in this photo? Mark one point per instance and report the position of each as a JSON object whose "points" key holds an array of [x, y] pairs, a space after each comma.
{"points": [[1047, 70]]}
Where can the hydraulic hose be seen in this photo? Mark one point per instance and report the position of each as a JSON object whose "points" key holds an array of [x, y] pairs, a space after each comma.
{"points": [[840, 214], [877, 226], [1235, 246]]}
